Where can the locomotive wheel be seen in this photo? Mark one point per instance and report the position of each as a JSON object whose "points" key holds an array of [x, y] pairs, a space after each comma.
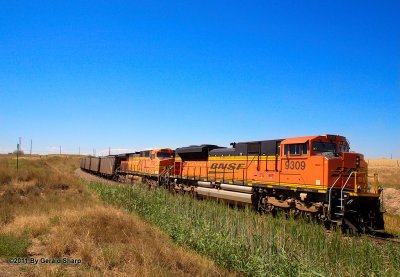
{"points": [[294, 213], [327, 225], [152, 184]]}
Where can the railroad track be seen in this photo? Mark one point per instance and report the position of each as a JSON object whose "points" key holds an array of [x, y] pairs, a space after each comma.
{"points": [[380, 236]]}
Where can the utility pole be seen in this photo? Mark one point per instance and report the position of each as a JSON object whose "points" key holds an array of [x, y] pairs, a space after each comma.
{"points": [[109, 151], [17, 154], [20, 144], [60, 149], [30, 151], [79, 150]]}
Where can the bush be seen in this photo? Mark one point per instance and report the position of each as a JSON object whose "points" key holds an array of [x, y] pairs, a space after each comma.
{"points": [[13, 246]]}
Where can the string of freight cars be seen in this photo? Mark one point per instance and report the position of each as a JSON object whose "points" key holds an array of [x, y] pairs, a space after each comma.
{"points": [[314, 176]]}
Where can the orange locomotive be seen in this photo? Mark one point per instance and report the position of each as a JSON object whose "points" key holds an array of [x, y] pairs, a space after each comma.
{"points": [[148, 164], [315, 175]]}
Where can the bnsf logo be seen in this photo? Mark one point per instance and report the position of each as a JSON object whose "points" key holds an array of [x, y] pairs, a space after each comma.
{"points": [[231, 166]]}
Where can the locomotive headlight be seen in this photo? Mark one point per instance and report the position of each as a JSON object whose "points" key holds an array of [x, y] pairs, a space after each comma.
{"points": [[357, 161]]}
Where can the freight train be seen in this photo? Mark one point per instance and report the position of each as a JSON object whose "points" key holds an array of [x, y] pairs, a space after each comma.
{"points": [[314, 176]]}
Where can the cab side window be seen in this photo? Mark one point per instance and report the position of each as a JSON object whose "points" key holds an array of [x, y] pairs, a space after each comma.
{"points": [[305, 148], [296, 149]]}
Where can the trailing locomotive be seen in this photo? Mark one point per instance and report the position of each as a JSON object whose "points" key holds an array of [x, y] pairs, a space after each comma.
{"points": [[316, 176]]}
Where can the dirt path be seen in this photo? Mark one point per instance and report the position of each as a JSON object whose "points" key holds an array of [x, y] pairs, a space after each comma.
{"points": [[90, 177]]}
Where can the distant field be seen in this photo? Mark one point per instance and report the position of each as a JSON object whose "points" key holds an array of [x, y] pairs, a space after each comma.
{"points": [[388, 170]]}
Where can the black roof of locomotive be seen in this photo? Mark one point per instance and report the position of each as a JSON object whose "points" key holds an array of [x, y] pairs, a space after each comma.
{"points": [[195, 152], [196, 148], [261, 147], [223, 152], [202, 152]]}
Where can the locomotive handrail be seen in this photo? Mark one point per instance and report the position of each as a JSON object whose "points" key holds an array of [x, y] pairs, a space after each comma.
{"points": [[355, 182], [165, 174], [345, 184], [364, 188], [376, 184], [330, 195], [252, 160]]}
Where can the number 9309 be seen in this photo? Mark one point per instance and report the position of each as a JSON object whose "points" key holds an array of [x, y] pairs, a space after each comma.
{"points": [[298, 165]]}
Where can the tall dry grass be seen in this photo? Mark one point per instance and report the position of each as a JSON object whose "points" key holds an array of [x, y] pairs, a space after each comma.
{"points": [[41, 185], [110, 241], [388, 171], [392, 223], [46, 212]]}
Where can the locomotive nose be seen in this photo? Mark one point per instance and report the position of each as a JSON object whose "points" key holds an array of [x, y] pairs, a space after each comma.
{"points": [[354, 161], [356, 170]]}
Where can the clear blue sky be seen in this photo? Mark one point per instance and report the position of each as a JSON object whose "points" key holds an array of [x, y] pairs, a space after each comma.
{"points": [[145, 74]]}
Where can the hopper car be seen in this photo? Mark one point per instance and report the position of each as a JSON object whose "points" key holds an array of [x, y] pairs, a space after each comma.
{"points": [[313, 176], [103, 166]]}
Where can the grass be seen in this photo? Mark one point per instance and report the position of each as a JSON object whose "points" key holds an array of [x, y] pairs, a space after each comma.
{"points": [[13, 246], [251, 244], [40, 185], [392, 223], [47, 212]]}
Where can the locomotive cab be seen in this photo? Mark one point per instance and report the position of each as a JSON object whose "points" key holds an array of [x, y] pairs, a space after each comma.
{"points": [[162, 154], [158, 160], [150, 161], [324, 162]]}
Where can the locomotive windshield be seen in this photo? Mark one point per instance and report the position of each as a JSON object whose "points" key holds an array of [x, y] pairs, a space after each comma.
{"points": [[344, 148], [324, 147], [163, 155]]}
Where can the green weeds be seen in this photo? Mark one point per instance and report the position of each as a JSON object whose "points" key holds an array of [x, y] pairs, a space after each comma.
{"points": [[13, 246], [256, 245]]}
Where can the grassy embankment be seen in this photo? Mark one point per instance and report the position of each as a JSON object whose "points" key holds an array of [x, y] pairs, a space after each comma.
{"points": [[46, 212], [252, 244]]}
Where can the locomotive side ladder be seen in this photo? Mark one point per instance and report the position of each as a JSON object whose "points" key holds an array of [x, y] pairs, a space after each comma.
{"points": [[341, 205], [330, 197], [164, 176]]}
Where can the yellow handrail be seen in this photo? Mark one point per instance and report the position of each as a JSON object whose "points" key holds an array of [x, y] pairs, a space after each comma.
{"points": [[376, 183], [355, 182], [364, 180]]}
